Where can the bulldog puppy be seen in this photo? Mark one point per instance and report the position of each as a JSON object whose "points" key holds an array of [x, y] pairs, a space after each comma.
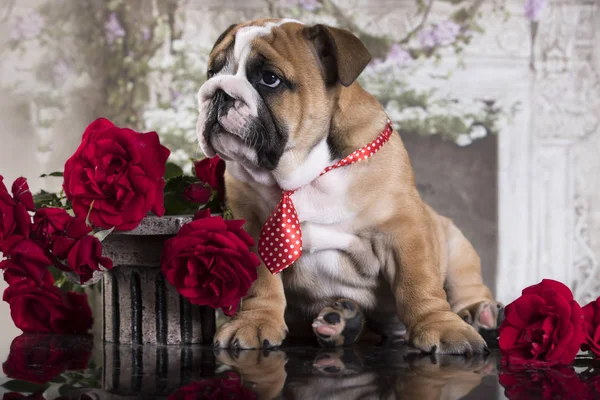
{"points": [[280, 105]]}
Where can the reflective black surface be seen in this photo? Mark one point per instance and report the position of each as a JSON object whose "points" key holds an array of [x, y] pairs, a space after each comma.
{"points": [[76, 367]]}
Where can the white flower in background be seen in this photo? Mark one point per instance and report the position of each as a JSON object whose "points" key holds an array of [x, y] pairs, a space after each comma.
{"points": [[442, 34], [308, 5], [534, 8], [463, 140], [477, 132], [27, 27], [49, 114], [60, 71], [178, 45], [113, 28], [413, 113]]}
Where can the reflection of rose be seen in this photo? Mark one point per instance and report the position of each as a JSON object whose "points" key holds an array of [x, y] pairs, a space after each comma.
{"points": [[209, 262], [559, 382], [542, 327], [227, 387], [38, 358]]}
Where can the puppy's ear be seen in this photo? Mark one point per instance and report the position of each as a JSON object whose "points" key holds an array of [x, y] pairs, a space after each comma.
{"points": [[343, 56], [223, 35]]}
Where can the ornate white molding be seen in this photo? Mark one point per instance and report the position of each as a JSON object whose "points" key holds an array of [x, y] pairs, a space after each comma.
{"points": [[563, 109]]}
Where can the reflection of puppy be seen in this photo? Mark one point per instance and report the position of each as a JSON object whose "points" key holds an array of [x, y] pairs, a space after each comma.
{"points": [[339, 325]]}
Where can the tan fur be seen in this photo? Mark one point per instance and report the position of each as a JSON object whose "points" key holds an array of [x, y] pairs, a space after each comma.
{"points": [[419, 250]]}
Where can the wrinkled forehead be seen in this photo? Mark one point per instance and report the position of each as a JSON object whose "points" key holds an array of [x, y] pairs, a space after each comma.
{"points": [[235, 44]]}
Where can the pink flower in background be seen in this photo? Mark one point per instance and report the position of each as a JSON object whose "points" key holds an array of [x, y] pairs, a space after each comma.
{"points": [[442, 34], [113, 28], [27, 27], [61, 71], [398, 56], [146, 33], [534, 8]]}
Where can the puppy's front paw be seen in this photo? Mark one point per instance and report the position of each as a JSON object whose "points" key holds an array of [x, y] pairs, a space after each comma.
{"points": [[251, 330], [445, 333]]}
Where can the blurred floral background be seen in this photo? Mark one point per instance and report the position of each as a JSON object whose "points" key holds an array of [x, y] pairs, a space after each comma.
{"points": [[464, 81]]}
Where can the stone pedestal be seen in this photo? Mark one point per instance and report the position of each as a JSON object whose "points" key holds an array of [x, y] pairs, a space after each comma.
{"points": [[136, 305]]}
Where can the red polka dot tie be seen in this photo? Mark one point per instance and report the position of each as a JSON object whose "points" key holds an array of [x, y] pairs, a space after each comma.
{"points": [[280, 242]]}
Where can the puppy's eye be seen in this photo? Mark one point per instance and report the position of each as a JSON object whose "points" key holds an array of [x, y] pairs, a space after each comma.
{"points": [[269, 79]]}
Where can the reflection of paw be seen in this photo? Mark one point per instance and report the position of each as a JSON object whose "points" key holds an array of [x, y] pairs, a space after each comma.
{"points": [[250, 330], [445, 333], [263, 371], [483, 315], [339, 324]]}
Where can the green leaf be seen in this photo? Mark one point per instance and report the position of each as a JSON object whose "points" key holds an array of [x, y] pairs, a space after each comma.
{"points": [[17, 385], [46, 199], [228, 214], [66, 390], [59, 379], [56, 173], [172, 170], [101, 235], [56, 273]]}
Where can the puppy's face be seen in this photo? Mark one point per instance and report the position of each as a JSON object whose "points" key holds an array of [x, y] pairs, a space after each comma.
{"points": [[271, 90]]}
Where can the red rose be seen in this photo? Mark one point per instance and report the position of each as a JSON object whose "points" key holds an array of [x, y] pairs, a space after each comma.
{"points": [[76, 230], [120, 171], [209, 262], [197, 193], [543, 326], [559, 382], [591, 317], [227, 387], [27, 260], [14, 218], [22, 194], [47, 310], [40, 358], [85, 257], [212, 172], [49, 222]]}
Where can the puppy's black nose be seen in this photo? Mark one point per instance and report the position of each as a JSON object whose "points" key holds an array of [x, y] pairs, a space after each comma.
{"points": [[332, 318]]}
